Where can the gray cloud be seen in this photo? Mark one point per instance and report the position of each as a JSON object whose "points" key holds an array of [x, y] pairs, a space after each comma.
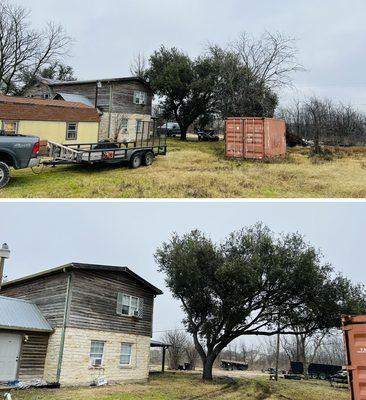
{"points": [[108, 34]]}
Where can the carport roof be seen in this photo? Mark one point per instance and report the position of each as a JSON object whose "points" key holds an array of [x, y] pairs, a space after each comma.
{"points": [[22, 315]]}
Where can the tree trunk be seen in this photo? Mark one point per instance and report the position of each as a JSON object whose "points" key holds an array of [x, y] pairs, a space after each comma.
{"points": [[183, 134], [207, 368]]}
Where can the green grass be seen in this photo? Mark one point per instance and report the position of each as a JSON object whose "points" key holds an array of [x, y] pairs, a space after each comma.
{"points": [[200, 170], [190, 387]]}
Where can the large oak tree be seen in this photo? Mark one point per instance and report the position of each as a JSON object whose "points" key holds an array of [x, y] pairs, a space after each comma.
{"points": [[248, 285]]}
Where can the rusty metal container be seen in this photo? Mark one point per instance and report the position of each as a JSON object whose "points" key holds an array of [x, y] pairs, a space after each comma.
{"points": [[254, 138], [354, 334]]}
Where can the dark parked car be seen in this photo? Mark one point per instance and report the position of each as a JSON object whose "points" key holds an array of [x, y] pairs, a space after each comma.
{"points": [[169, 129], [17, 151]]}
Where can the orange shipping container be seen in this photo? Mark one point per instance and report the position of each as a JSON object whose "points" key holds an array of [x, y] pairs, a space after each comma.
{"points": [[354, 334], [255, 138]]}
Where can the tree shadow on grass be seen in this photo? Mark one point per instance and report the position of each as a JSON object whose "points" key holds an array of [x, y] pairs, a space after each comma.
{"points": [[258, 390]]}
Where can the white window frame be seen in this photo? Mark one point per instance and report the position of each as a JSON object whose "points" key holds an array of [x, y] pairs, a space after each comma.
{"points": [[139, 97], [94, 355], [10, 121], [68, 130], [120, 303], [129, 354]]}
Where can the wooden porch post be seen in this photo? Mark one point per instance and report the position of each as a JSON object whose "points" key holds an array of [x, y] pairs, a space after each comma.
{"points": [[163, 361]]}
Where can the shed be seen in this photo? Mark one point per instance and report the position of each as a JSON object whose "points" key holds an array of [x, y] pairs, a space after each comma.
{"points": [[24, 334], [51, 120]]}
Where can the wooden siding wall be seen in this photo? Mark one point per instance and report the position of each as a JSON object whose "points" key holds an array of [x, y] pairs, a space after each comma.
{"points": [[33, 356], [48, 292], [122, 95], [94, 302]]}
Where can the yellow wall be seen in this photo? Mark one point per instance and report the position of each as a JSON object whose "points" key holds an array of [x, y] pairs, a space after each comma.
{"points": [[56, 131]]}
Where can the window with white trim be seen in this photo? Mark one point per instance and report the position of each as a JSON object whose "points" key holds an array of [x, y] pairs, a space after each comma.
{"points": [[129, 305], [10, 127], [96, 353], [139, 97], [126, 352], [139, 126], [71, 131]]}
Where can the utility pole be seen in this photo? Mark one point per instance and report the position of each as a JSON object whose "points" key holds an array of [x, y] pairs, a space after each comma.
{"points": [[4, 254]]}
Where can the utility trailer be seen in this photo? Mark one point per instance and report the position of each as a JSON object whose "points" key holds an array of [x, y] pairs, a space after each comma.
{"points": [[142, 150]]}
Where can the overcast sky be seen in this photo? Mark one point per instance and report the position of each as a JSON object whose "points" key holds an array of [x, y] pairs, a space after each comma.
{"points": [[108, 34], [45, 235]]}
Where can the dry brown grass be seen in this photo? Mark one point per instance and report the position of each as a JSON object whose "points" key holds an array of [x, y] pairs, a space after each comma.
{"points": [[199, 170], [190, 387]]}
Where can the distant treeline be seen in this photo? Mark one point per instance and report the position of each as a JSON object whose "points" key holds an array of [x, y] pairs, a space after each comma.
{"points": [[333, 124]]}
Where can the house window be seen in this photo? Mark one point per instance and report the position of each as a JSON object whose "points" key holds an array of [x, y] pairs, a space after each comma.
{"points": [[126, 351], [139, 97], [10, 127], [71, 131], [129, 305], [96, 353], [139, 126], [124, 124]]}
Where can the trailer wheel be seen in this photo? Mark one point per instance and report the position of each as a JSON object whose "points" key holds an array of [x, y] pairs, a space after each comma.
{"points": [[148, 158], [136, 161], [4, 174]]}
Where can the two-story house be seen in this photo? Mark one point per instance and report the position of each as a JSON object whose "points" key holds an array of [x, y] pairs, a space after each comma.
{"points": [[124, 102], [76, 323]]}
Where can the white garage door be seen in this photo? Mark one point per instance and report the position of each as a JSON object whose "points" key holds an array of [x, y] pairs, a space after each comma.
{"points": [[9, 355]]}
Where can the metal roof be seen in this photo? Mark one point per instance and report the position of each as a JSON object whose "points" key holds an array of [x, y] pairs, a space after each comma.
{"points": [[90, 267], [17, 314], [75, 98], [156, 343], [84, 82]]}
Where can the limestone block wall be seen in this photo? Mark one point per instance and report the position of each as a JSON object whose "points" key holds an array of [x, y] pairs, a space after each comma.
{"points": [[115, 124], [53, 349], [76, 369]]}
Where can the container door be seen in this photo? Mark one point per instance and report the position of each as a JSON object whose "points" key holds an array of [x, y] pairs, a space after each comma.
{"points": [[234, 138], [10, 345], [355, 340], [254, 138]]}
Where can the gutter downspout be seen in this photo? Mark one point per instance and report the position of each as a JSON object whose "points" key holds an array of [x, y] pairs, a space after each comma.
{"points": [[64, 323], [110, 109]]}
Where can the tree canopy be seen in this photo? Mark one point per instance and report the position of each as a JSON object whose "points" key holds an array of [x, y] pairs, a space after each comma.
{"points": [[185, 85], [253, 283]]}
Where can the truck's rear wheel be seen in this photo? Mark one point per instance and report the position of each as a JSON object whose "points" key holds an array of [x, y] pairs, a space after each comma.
{"points": [[4, 174], [136, 161], [148, 158]]}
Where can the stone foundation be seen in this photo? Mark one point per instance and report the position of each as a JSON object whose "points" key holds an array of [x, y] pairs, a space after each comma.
{"points": [[76, 369]]}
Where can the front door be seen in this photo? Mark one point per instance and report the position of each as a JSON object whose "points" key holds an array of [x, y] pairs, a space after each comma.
{"points": [[10, 345]]}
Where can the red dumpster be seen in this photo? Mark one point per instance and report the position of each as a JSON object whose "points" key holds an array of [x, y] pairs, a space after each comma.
{"points": [[254, 138], [354, 334]]}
